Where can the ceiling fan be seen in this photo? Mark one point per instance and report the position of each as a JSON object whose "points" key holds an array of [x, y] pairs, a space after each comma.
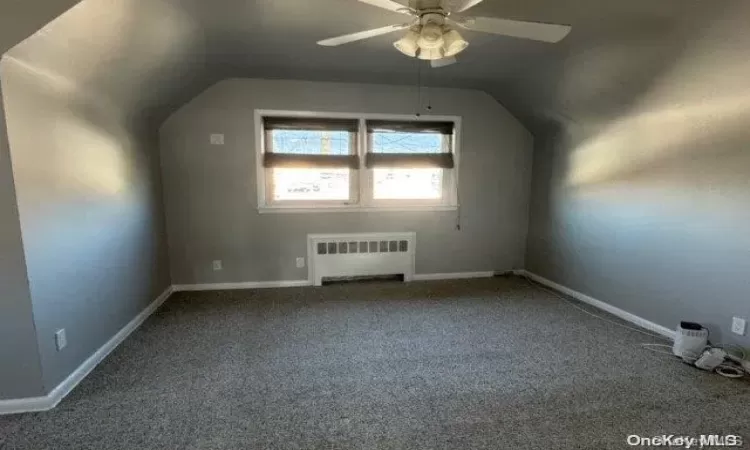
{"points": [[432, 31]]}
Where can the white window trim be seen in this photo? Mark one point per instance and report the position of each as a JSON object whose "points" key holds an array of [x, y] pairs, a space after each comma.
{"points": [[363, 199]]}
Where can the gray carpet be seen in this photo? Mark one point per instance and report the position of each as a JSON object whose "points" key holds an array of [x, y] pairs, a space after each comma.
{"points": [[492, 363]]}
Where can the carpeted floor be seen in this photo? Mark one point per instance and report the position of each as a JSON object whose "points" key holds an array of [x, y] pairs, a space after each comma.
{"points": [[491, 363]]}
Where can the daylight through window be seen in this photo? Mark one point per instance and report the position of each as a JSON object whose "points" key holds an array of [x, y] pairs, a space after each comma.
{"points": [[357, 163]]}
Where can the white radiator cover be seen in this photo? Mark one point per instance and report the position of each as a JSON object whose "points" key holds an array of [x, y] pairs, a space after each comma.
{"points": [[360, 254]]}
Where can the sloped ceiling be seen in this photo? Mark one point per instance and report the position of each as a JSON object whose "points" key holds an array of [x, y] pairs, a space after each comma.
{"points": [[19, 19], [139, 56], [163, 52]]}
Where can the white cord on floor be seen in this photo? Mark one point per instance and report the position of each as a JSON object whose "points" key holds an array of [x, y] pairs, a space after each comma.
{"points": [[596, 315], [726, 348], [727, 372], [650, 348]]}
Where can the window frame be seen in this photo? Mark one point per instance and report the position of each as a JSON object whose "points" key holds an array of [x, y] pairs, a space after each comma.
{"points": [[361, 180], [296, 204]]}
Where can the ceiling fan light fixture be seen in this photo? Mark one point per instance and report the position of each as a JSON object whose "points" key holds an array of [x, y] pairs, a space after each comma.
{"points": [[431, 36], [408, 44], [431, 33], [430, 54], [453, 43]]}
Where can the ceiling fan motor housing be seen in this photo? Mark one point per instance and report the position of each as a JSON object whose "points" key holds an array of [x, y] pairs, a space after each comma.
{"points": [[436, 17]]}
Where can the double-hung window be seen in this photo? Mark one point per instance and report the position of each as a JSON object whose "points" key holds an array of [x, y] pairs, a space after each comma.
{"points": [[410, 162], [312, 161]]}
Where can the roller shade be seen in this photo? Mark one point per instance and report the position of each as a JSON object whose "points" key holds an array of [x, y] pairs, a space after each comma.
{"points": [[410, 160], [310, 123], [290, 160], [410, 127]]}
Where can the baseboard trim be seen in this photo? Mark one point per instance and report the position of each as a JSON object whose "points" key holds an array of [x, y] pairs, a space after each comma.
{"points": [[300, 283], [451, 276], [241, 285], [621, 313], [49, 401], [24, 405], [44, 403]]}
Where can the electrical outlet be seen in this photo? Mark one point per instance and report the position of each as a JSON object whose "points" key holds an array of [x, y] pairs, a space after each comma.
{"points": [[300, 263], [217, 139], [61, 341], [738, 325], [217, 264]]}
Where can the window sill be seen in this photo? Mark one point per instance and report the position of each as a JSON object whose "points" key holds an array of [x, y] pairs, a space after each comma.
{"points": [[354, 209]]}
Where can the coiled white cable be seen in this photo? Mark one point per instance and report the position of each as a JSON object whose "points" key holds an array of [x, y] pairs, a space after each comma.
{"points": [[730, 371]]}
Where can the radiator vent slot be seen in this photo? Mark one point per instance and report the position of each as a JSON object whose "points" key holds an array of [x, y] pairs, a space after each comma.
{"points": [[339, 247], [360, 255]]}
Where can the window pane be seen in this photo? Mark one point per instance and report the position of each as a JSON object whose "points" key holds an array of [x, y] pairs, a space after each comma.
{"points": [[311, 184], [413, 184], [387, 142], [311, 142]]}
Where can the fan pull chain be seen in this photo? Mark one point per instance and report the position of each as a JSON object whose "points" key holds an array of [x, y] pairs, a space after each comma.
{"points": [[419, 88]]}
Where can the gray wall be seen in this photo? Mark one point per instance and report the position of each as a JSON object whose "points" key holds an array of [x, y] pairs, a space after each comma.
{"points": [[84, 96], [211, 200], [21, 374], [649, 209], [89, 201]]}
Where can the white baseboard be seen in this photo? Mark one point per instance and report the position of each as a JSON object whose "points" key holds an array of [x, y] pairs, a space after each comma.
{"points": [[241, 285], [451, 276], [51, 400], [621, 313], [300, 283], [29, 404]]}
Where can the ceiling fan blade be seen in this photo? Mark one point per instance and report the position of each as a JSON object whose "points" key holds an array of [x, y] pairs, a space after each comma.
{"points": [[389, 5], [458, 6], [538, 31], [347, 38], [437, 63]]}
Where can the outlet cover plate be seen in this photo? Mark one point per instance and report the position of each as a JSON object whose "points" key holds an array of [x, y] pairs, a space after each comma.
{"points": [[61, 340], [739, 325], [217, 264], [217, 139], [300, 263]]}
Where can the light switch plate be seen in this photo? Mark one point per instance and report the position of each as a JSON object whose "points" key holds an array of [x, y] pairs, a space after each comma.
{"points": [[739, 325], [300, 263], [217, 139]]}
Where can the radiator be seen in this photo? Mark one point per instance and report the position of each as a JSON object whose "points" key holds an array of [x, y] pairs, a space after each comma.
{"points": [[360, 254]]}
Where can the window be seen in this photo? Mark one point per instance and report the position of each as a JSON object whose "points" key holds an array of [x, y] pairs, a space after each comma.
{"points": [[308, 162], [409, 161]]}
